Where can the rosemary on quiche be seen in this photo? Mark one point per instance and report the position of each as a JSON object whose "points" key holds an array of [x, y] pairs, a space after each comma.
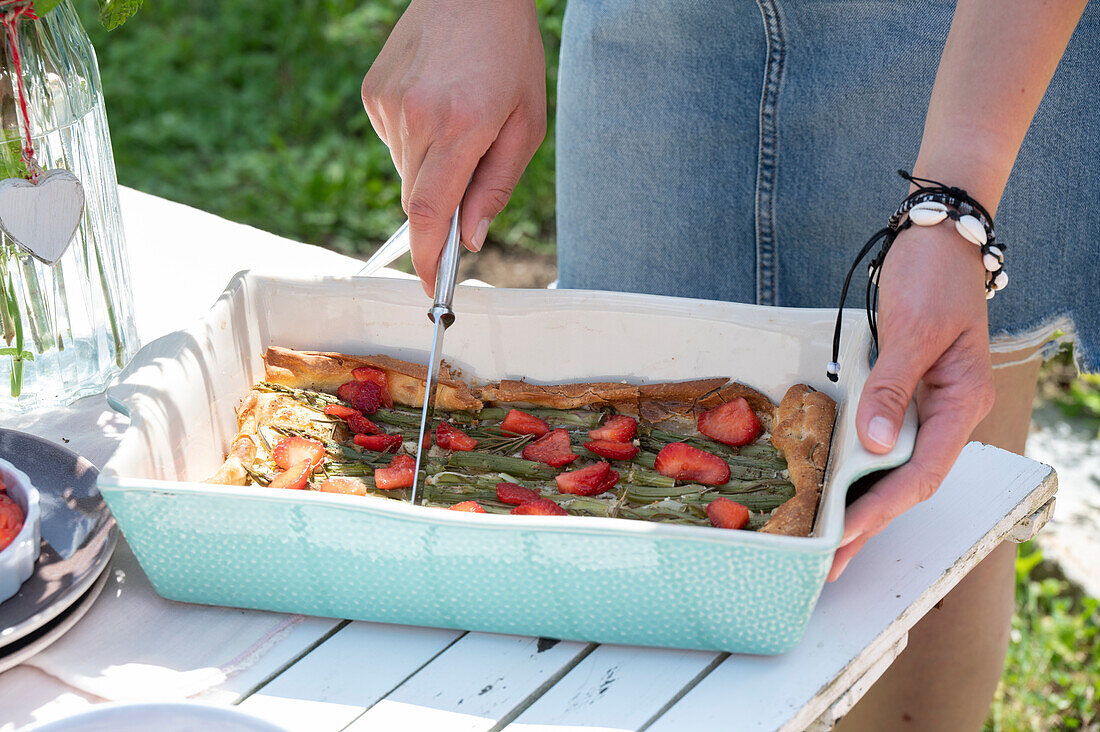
{"points": [[703, 452]]}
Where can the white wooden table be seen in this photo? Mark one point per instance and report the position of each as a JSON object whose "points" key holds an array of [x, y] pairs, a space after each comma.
{"points": [[329, 675]]}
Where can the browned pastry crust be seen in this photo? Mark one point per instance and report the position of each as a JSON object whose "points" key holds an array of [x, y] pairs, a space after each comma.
{"points": [[681, 403], [760, 403], [327, 371], [804, 426], [563, 396], [249, 448], [232, 472], [677, 402]]}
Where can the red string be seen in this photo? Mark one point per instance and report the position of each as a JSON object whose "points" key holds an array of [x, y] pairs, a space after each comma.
{"points": [[11, 11]]}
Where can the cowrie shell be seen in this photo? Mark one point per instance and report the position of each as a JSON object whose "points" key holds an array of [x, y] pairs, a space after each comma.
{"points": [[872, 274], [992, 264], [971, 229], [996, 252], [42, 217], [1000, 281], [928, 213]]}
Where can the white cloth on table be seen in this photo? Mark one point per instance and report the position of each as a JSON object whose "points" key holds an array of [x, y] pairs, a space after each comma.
{"points": [[134, 645]]}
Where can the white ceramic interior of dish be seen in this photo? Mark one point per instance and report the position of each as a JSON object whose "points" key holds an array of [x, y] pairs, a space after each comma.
{"points": [[183, 389], [18, 558]]}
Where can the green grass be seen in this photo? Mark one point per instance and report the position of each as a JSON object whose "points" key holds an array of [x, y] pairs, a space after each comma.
{"points": [[251, 110], [1077, 395], [1052, 676]]}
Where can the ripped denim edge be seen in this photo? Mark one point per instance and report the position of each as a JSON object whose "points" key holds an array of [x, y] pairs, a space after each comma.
{"points": [[1043, 334]]}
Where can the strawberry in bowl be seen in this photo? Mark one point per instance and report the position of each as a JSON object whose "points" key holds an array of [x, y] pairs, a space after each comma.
{"points": [[20, 531]]}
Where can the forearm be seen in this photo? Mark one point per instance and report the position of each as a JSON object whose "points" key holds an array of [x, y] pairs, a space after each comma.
{"points": [[998, 60]]}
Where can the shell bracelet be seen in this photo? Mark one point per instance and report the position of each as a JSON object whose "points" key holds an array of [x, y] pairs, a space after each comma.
{"points": [[929, 205]]}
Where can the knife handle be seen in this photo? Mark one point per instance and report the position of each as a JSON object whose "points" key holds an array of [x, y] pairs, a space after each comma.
{"points": [[447, 275]]}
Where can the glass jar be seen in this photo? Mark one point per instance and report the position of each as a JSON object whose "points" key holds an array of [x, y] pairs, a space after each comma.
{"points": [[66, 329]]}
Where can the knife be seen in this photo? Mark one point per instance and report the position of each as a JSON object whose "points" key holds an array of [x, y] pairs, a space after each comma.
{"points": [[443, 317], [394, 247]]}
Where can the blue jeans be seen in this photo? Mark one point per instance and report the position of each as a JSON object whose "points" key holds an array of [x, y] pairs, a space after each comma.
{"points": [[745, 149]]}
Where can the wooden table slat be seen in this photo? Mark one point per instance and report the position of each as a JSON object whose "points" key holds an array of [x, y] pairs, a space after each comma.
{"points": [[347, 674], [473, 685], [615, 688]]}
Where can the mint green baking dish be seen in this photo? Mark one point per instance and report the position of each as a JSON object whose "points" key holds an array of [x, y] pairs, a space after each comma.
{"points": [[602, 580]]}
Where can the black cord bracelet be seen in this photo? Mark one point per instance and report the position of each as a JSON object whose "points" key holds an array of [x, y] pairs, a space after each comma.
{"points": [[932, 203]]}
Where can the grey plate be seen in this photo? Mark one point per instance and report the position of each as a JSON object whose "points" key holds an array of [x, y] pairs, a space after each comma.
{"points": [[32, 644], [78, 533]]}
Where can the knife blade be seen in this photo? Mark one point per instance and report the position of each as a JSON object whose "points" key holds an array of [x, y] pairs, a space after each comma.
{"points": [[442, 316], [394, 247]]}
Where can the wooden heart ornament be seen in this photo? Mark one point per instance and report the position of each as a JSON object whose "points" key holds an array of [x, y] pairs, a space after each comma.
{"points": [[42, 217]]}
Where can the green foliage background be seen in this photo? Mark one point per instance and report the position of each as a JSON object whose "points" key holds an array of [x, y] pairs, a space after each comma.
{"points": [[251, 110]]}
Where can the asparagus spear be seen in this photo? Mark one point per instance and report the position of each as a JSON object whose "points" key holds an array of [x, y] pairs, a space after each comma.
{"points": [[501, 464], [563, 418]]}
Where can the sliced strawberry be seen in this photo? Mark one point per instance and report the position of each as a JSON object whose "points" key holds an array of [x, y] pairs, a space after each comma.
{"points": [[340, 411], [11, 519], [348, 486], [293, 450], [365, 396], [613, 450], [378, 443], [590, 481], [368, 398], [522, 423], [617, 428], [540, 507], [399, 474], [468, 507], [681, 461], [515, 494], [356, 422], [452, 438], [378, 378], [727, 514], [347, 390], [360, 425], [733, 423], [294, 478], [552, 448]]}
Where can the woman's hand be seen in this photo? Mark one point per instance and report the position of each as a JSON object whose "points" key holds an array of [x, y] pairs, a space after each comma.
{"points": [[458, 93], [934, 341]]}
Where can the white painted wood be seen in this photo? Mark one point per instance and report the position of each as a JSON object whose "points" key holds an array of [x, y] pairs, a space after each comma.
{"points": [[848, 699], [282, 654], [614, 688], [892, 583], [472, 685], [41, 217], [348, 673], [1030, 526]]}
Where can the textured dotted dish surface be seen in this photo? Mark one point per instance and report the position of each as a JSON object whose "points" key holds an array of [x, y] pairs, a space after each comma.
{"points": [[347, 561]]}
